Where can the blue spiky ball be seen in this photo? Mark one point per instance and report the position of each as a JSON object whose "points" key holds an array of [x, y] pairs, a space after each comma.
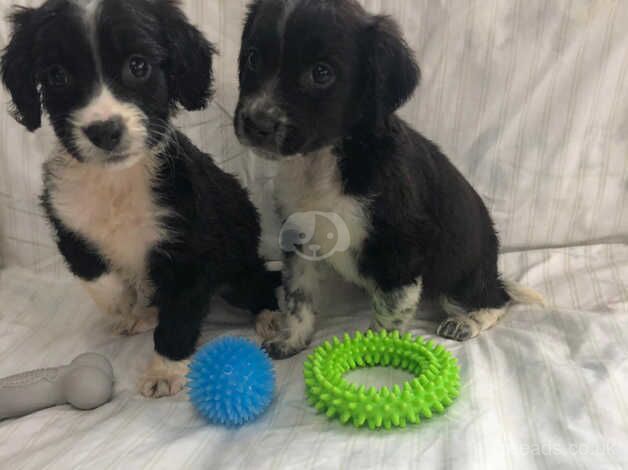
{"points": [[231, 381]]}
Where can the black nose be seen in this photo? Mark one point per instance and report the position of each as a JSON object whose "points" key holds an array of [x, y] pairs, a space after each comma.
{"points": [[260, 126], [105, 134]]}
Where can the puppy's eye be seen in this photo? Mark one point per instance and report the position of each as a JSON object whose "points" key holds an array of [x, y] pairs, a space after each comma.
{"points": [[323, 75], [137, 69], [57, 77], [252, 59]]}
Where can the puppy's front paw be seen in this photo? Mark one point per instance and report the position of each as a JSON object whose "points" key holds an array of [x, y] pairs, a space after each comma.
{"points": [[282, 348], [164, 378], [458, 328], [268, 324]]}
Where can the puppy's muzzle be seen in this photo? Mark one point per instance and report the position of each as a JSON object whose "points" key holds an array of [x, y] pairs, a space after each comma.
{"points": [[260, 127], [105, 135]]}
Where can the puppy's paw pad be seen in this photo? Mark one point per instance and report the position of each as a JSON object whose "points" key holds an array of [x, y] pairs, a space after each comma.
{"points": [[268, 324], [458, 329], [158, 387], [281, 349]]}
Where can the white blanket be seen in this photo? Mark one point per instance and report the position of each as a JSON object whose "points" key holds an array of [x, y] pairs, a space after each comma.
{"points": [[545, 389], [530, 100]]}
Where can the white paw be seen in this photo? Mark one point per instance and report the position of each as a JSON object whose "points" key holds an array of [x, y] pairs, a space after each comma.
{"points": [[283, 348], [164, 378], [159, 387], [458, 328], [268, 324]]}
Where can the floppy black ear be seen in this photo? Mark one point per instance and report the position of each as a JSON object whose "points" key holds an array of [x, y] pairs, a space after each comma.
{"points": [[392, 71], [17, 68], [189, 58]]}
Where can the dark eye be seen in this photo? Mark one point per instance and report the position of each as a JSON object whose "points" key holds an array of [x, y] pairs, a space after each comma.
{"points": [[252, 60], [57, 77], [323, 75], [137, 69]]}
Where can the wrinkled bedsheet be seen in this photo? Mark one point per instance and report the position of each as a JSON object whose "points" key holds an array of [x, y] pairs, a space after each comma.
{"points": [[530, 100], [545, 389]]}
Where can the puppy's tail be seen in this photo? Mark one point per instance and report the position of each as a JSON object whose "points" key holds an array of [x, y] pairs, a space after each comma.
{"points": [[522, 294]]}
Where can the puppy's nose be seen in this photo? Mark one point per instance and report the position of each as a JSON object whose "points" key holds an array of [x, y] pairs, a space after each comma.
{"points": [[105, 134], [260, 125]]}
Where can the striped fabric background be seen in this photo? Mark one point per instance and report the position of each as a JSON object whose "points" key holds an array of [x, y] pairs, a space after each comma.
{"points": [[530, 99]]}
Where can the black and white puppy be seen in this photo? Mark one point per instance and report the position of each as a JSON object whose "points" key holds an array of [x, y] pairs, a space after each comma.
{"points": [[320, 82], [148, 222]]}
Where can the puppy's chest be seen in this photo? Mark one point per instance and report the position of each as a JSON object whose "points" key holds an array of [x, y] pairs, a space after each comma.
{"points": [[312, 186], [115, 210]]}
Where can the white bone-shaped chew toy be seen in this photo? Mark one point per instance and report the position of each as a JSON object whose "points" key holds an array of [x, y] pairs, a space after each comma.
{"points": [[86, 383]]}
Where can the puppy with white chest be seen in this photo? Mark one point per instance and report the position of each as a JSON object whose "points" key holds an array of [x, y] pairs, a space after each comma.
{"points": [[320, 82], [147, 221]]}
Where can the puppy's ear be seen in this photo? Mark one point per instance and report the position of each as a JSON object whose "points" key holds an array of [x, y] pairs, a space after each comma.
{"points": [[190, 55], [17, 68], [392, 72]]}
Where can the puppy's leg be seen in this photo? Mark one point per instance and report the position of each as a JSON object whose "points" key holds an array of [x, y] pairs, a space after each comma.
{"points": [[301, 281], [175, 338], [461, 326], [115, 297], [182, 295], [111, 294], [393, 310], [144, 316], [255, 289]]}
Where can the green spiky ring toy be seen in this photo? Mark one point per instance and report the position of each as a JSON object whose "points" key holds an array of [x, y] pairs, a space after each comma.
{"points": [[436, 385]]}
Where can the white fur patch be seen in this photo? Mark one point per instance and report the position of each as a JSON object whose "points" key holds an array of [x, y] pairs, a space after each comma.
{"points": [[103, 107], [112, 295], [461, 325], [114, 210], [300, 326], [487, 318], [124, 302], [90, 11], [394, 310], [312, 183], [297, 328], [288, 333], [522, 294], [268, 324]]}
